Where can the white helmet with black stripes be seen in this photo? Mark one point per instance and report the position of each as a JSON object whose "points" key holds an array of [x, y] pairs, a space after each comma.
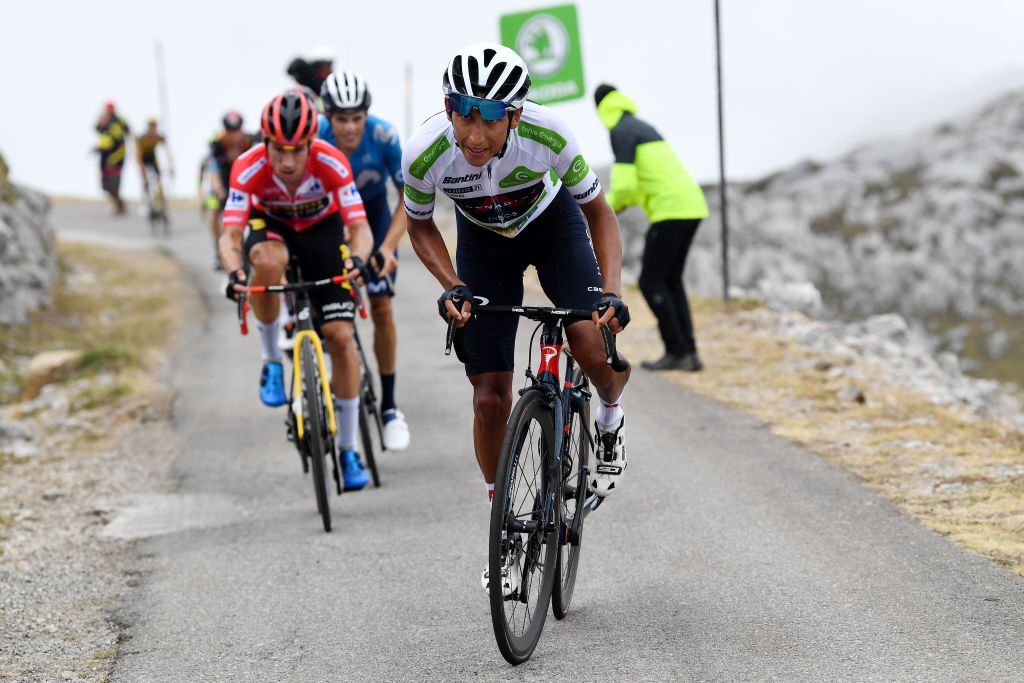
{"points": [[345, 91], [490, 71]]}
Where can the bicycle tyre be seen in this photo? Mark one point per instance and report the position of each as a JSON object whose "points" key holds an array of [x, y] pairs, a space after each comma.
{"points": [[519, 464], [367, 437], [578, 419], [315, 426]]}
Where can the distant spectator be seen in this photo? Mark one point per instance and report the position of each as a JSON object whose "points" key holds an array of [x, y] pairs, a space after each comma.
{"points": [[314, 72], [112, 144], [648, 174]]}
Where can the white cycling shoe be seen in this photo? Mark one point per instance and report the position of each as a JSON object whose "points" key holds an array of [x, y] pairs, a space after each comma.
{"points": [[610, 460], [396, 431], [511, 574]]}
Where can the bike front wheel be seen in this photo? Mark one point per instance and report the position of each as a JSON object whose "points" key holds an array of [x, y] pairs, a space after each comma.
{"points": [[523, 541], [316, 433], [573, 498]]}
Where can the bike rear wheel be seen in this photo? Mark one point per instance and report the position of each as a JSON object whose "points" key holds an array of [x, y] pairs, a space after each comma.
{"points": [[574, 495], [518, 526], [315, 426], [366, 435]]}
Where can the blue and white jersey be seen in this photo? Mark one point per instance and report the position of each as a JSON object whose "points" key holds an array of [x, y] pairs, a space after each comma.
{"points": [[378, 157]]}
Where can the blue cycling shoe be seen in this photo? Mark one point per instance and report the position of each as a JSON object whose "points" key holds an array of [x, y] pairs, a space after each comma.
{"points": [[272, 385], [352, 471]]}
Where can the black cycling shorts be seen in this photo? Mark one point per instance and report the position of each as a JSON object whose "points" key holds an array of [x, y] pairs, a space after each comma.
{"points": [[318, 252], [556, 243]]}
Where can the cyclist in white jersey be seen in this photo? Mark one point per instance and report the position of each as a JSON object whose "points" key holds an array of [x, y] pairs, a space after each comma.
{"points": [[522, 189]]}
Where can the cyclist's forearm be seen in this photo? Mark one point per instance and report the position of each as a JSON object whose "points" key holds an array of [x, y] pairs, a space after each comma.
{"points": [[230, 247], [360, 238], [604, 232], [397, 229], [429, 246]]}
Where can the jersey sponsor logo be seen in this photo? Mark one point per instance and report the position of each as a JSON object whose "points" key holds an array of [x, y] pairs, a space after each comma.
{"points": [[468, 178], [416, 212], [256, 224], [593, 188], [497, 211], [339, 307], [520, 175], [350, 195], [386, 134], [418, 196], [578, 170], [545, 136], [463, 190], [333, 163], [299, 209], [367, 177], [237, 201], [423, 162], [248, 173]]}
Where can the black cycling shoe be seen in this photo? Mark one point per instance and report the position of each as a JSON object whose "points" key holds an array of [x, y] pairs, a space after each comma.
{"points": [[688, 363]]}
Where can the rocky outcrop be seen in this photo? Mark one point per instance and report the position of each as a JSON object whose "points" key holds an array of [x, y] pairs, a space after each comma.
{"points": [[28, 258], [930, 227]]}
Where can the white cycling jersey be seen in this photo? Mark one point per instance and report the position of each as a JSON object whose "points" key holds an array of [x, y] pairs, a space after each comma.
{"points": [[507, 193]]}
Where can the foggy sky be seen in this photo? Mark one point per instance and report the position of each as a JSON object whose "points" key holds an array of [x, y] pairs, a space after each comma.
{"points": [[804, 78]]}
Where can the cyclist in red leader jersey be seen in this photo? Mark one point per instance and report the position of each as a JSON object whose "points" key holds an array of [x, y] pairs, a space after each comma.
{"points": [[296, 195]]}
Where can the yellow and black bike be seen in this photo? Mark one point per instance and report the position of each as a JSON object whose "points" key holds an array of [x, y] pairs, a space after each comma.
{"points": [[311, 422]]}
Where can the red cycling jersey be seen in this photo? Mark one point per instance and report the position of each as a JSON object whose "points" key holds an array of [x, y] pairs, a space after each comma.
{"points": [[327, 187]]}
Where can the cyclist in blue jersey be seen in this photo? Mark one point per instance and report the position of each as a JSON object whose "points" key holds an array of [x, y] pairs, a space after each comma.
{"points": [[373, 148]]}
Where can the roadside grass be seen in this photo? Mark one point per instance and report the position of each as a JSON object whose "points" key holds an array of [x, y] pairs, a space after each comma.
{"points": [[112, 305], [959, 475]]}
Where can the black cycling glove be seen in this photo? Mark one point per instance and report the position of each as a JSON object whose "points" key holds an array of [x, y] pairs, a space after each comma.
{"points": [[612, 299], [358, 264], [235, 277], [456, 295], [376, 263]]}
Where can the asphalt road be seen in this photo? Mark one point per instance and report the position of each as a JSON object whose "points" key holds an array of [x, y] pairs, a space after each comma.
{"points": [[728, 553]]}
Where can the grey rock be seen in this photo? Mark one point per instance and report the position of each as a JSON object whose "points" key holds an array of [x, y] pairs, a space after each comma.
{"points": [[28, 259]]}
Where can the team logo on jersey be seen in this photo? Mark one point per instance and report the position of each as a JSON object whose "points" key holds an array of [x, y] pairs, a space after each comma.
{"points": [[593, 188], [350, 195], [578, 170], [463, 190], [519, 176], [237, 200], [368, 176], [468, 178], [333, 163], [386, 135], [251, 171]]}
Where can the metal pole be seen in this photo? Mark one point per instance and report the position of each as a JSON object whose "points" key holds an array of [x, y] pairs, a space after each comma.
{"points": [[721, 160], [165, 115]]}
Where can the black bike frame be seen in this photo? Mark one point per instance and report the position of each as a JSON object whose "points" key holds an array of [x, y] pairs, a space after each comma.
{"points": [[559, 396]]}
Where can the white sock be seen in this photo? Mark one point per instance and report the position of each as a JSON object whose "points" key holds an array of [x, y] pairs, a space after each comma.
{"points": [[282, 315], [609, 414], [268, 340], [490, 493], [346, 412]]}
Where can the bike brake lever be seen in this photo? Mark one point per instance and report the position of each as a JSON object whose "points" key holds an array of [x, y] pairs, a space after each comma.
{"points": [[449, 339], [243, 313]]}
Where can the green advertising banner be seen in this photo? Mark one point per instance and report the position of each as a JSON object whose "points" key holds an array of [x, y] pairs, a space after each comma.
{"points": [[549, 41]]}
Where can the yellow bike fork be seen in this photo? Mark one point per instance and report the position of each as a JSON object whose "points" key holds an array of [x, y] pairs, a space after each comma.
{"points": [[297, 389]]}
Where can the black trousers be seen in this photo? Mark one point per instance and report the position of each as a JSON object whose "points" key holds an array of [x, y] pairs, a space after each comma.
{"points": [[661, 281]]}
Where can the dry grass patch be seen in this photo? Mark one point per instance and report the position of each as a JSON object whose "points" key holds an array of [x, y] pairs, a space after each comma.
{"points": [[959, 475]]}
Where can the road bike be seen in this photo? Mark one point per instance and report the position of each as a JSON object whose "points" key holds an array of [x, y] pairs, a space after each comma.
{"points": [[156, 203], [310, 423], [541, 492]]}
